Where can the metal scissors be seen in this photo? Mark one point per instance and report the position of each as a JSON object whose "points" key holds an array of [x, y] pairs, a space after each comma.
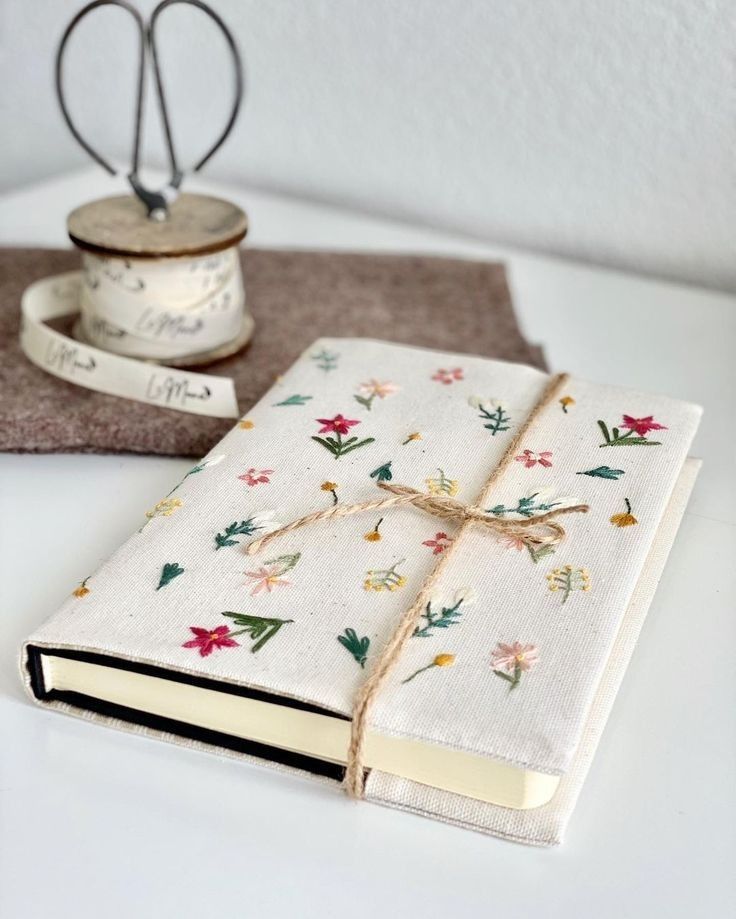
{"points": [[156, 202]]}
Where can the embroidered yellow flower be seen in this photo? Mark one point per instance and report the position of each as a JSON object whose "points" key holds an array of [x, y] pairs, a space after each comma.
{"points": [[442, 660], [415, 436], [328, 486], [624, 520], [568, 579], [246, 424], [165, 508], [441, 485], [384, 578], [565, 401]]}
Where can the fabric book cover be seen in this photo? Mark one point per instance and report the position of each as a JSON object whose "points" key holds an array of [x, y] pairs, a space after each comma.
{"points": [[523, 521]]}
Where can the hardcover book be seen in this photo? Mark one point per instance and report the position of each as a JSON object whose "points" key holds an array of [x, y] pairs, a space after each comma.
{"points": [[514, 526]]}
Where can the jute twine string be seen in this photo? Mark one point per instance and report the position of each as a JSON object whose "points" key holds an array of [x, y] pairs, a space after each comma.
{"points": [[542, 530]]}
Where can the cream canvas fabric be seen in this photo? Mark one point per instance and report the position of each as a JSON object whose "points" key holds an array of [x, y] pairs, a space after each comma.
{"points": [[433, 421]]}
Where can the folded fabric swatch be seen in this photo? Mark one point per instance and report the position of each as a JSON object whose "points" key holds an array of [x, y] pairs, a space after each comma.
{"points": [[294, 297], [520, 521]]}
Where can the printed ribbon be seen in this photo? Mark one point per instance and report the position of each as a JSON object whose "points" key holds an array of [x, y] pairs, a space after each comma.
{"points": [[133, 312]]}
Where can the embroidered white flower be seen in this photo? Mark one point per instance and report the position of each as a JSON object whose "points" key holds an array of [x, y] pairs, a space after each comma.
{"points": [[487, 403], [465, 595], [212, 460]]}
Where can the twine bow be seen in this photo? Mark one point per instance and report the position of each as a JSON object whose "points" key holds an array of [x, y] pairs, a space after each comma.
{"points": [[542, 530]]}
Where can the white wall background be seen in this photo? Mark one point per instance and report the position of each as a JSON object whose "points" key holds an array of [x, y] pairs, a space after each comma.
{"points": [[604, 130]]}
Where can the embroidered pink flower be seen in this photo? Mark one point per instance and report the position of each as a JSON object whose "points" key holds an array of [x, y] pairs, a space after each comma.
{"points": [[209, 639], [256, 476], [514, 542], [337, 425], [376, 388], [448, 376], [642, 426], [266, 578], [530, 459], [438, 545], [511, 657]]}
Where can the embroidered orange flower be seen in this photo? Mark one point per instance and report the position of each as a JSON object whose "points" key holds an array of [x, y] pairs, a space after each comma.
{"points": [[565, 401], [373, 535], [415, 436], [331, 487], [246, 424], [624, 520], [82, 590]]}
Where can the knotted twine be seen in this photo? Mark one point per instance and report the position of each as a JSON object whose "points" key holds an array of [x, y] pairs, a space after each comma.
{"points": [[542, 530]]}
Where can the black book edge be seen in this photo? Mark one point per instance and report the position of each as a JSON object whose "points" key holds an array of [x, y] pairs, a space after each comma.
{"points": [[241, 745]]}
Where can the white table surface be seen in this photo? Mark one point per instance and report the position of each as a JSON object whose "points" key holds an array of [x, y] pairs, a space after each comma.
{"points": [[94, 822]]}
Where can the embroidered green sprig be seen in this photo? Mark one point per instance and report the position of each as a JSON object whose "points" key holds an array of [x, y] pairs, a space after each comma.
{"points": [[296, 399], [205, 464], [358, 647], [238, 528], [540, 552], [492, 412], [384, 578], [326, 360], [446, 616], [383, 473], [567, 580], [441, 660], [260, 628], [603, 472], [525, 507], [170, 571]]}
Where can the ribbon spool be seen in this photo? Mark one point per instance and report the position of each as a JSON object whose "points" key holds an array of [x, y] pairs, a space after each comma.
{"points": [[166, 292], [169, 291]]}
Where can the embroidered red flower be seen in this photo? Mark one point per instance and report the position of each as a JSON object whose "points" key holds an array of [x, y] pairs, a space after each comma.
{"points": [[530, 459], [448, 376], [438, 545], [642, 426], [337, 425], [209, 639], [256, 476]]}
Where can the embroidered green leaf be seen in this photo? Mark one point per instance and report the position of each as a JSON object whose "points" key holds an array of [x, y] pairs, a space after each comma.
{"points": [[603, 472], [283, 563], [540, 552], [339, 447], [358, 647], [170, 571], [367, 401], [260, 628], [383, 473], [242, 528], [295, 400]]}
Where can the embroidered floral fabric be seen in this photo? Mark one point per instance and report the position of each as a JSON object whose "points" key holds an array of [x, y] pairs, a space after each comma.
{"points": [[509, 652]]}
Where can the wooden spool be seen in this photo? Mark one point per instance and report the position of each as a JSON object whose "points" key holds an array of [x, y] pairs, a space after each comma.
{"points": [[196, 225]]}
